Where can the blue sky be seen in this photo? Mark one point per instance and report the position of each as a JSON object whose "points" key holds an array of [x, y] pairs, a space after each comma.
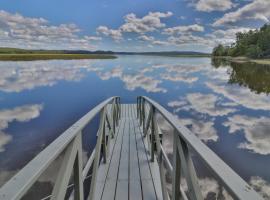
{"points": [[128, 25]]}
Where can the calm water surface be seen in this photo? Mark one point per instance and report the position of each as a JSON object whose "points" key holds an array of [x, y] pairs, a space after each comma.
{"points": [[226, 105]]}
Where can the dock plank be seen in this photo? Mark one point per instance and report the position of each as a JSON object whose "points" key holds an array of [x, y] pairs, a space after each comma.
{"points": [[128, 174], [103, 168], [111, 179], [148, 190], [135, 192], [154, 168]]}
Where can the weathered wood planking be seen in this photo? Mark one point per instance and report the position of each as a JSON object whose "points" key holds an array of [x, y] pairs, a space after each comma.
{"points": [[128, 173]]}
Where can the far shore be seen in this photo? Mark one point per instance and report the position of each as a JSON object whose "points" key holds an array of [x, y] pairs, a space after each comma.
{"points": [[188, 56], [245, 59], [31, 57]]}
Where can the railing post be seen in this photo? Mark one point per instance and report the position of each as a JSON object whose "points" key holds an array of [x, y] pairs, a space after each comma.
{"points": [[157, 143], [143, 114], [152, 135], [109, 125], [137, 107], [117, 104], [104, 143], [176, 169], [119, 111], [60, 187], [148, 121], [189, 170], [114, 115], [78, 166], [140, 110], [97, 156]]}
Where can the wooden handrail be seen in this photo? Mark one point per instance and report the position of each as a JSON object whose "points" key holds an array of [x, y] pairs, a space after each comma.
{"points": [[186, 140], [68, 142]]}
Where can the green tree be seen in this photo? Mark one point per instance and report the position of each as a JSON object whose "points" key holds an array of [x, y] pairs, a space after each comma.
{"points": [[219, 50], [253, 44]]}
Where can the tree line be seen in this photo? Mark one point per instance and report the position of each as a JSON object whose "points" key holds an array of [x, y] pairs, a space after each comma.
{"points": [[252, 44]]}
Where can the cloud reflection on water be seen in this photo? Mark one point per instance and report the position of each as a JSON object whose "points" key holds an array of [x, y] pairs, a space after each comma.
{"points": [[202, 103], [256, 131], [261, 186], [134, 80], [209, 104], [202, 129], [19, 76], [20, 114], [241, 95]]}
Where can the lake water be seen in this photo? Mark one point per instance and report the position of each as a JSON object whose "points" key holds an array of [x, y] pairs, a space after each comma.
{"points": [[226, 105]]}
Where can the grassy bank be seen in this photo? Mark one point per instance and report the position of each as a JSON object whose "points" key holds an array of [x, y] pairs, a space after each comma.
{"points": [[261, 61], [245, 59], [189, 56], [30, 57]]}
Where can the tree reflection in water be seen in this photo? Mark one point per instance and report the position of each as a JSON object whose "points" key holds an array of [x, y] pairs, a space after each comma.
{"points": [[248, 74]]}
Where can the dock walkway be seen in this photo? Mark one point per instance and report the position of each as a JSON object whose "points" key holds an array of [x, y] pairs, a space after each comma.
{"points": [[129, 161], [128, 172]]}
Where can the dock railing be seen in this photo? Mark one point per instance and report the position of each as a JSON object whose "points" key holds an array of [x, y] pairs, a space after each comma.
{"points": [[69, 144], [185, 142]]}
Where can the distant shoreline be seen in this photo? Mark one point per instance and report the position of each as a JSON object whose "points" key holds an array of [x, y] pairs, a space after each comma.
{"points": [[187, 56], [44, 56], [33, 56], [165, 55], [244, 59], [53, 56]]}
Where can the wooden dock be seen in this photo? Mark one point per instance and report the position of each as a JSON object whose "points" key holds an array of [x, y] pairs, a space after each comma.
{"points": [[129, 161], [128, 172]]}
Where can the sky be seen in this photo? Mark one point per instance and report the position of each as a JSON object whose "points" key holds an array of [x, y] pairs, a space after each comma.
{"points": [[128, 25]]}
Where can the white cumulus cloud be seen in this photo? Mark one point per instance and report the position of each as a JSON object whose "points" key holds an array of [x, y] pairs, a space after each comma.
{"points": [[114, 33], [148, 23], [255, 10], [183, 29], [25, 32], [213, 5], [134, 24]]}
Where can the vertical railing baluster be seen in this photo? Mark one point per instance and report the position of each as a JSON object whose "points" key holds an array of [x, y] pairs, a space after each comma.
{"points": [[104, 142], [152, 135], [78, 166], [97, 157], [159, 153], [176, 169], [109, 125], [162, 172], [113, 115], [148, 121], [64, 174], [109, 134], [119, 108], [137, 107], [189, 170], [143, 113], [116, 111]]}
